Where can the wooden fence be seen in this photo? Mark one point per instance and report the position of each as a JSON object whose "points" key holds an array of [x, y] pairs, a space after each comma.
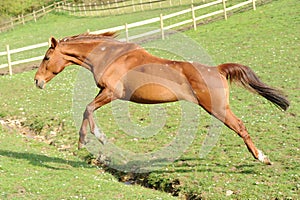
{"points": [[101, 9], [161, 29], [23, 19], [8, 53], [120, 7]]}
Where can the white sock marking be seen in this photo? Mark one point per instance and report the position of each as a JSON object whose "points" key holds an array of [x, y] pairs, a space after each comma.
{"points": [[100, 136], [97, 133], [261, 156]]}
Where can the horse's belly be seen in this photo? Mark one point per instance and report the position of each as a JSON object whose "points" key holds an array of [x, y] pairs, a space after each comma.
{"points": [[152, 93], [155, 93], [155, 84]]}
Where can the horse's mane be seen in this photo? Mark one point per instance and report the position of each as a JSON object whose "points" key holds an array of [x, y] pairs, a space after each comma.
{"points": [[89, 36]]}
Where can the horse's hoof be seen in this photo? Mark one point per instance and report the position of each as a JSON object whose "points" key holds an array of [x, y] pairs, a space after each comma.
{"points": [[103, 139], [80, 145], [263, 158], [267, 161]]}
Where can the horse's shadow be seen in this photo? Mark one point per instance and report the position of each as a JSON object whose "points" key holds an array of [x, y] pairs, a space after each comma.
{"points": [[43, 160], [200, 165], [186, 165]]}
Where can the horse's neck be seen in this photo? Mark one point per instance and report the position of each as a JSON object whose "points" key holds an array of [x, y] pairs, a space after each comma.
{"points": [[98, 55], [108, 52]]}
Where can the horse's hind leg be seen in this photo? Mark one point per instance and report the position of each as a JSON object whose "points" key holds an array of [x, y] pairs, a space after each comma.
{"points": [[216, 102], [238, 126]]}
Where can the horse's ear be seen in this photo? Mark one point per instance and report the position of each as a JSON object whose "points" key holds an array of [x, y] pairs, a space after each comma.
{"points": [[54, 42]]}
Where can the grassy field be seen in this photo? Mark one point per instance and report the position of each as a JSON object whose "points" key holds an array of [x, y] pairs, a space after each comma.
{"points": [[35, 170], [267, 40]]}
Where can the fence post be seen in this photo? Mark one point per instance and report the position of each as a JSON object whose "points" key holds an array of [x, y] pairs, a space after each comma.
{"points": [[117, 6], [79, 9], [23, 20], [34, 16], [194, 18], [74, 9], [84, 8], [96, 9], [141, 3], [126, 32], [57, 7], [224, 8], [254, 6], [69, 8], [8, 59], [91, 10], [108, 3], [49, 42], [102, 6], [133, 7], [12, 22], [162, 27]]}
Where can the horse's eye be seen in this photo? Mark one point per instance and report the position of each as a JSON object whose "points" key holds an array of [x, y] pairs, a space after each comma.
{"points": [[46, 58]]}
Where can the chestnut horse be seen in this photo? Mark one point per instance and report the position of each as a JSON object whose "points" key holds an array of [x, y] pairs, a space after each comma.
{"points": [[128, 72]]}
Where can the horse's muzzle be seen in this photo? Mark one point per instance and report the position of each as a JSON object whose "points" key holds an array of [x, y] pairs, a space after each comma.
{"points": [[39, 83]]}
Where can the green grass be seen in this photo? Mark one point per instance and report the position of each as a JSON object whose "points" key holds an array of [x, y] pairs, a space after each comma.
{"points": [[34, 170], [266, 40]]}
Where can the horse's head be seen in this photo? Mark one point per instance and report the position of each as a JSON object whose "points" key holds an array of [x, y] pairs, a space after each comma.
{"points": [[52, 64]]}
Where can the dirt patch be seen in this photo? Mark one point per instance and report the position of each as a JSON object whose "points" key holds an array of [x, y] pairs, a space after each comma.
{"points": [[20, 68], [18, 125]]}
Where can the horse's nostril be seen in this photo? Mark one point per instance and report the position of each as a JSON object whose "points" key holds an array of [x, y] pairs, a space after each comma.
{"points": [[36, 82], [39, 84]]}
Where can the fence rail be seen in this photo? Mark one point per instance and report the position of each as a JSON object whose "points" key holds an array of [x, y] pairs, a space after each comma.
{"points": [[23, 19], [119, 7], [193, 21], [99, 9], [8, 53]]}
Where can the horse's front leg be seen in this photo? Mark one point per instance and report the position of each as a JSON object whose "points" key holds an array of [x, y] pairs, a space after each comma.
{"points": [[88, 119], [83, 130], [105, 96]]}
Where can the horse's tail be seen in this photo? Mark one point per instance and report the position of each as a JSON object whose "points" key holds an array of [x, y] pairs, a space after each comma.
{"points": [[244, 75]]}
